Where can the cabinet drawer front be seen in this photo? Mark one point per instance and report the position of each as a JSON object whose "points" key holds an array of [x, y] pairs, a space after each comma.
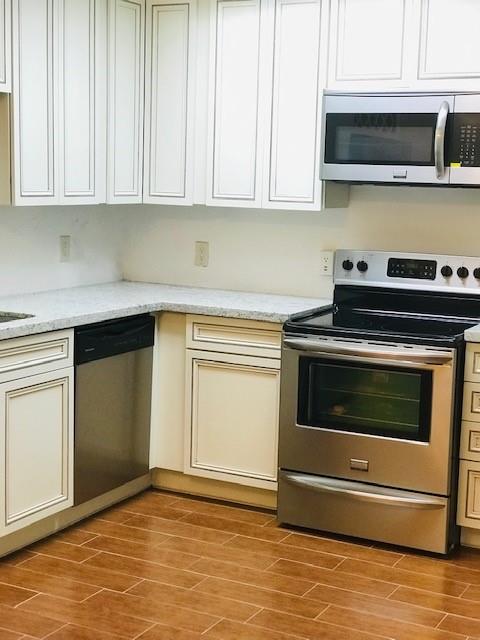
{"points": [[468, 513], [471, 401], [472, 363], [470, 441], [34, 354], [250, 338]]}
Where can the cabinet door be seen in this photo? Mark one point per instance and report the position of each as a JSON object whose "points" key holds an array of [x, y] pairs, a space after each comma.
{"points": [[126, 26], [5, 46], [82, 43], [449, 55], [34, 103], [235, 127], [37, 446], [293, 180], [228, 438], [169, 102], [370, 44], [468, 511]]}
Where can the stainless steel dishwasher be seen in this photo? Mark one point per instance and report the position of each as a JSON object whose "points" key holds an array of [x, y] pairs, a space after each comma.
{"points": [[113, 385]]}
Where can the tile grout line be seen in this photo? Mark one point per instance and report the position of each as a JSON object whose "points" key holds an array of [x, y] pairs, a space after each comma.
{"points": [[37, 593], [213, 625], [138, 636], [440, 621], [56, 630]]}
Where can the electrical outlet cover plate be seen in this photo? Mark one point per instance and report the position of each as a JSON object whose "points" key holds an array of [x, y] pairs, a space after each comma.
{"points": [[326, 263]]}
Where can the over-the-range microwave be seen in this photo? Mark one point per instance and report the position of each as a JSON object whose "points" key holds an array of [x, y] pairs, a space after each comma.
{"points": [[430, 139]]}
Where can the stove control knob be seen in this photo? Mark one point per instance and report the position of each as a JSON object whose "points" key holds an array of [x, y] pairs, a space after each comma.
{"points": [[463, 272], [347, 265], [476, 273], [362, 266], [446, 271]]}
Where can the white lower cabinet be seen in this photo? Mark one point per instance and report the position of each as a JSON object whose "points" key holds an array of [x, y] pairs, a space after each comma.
{"points": [[468, 509], [232, 403], [468, 513], [36, 442]]}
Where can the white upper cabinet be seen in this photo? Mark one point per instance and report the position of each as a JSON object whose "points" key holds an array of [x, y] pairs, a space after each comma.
{"points": [[234, 171], [34, 104], [126, 27], [369, 43], [264, 106], [82, 50], [449, 53], [5, 46], [417, 45], [59, 101], [292, 153], [169, 102]]}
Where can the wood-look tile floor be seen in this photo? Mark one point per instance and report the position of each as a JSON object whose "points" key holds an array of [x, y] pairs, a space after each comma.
{"points": [[163, 567]]}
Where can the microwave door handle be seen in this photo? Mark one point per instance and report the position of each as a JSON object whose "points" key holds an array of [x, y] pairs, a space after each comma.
{"points": [[411, 355], [439, 149]]}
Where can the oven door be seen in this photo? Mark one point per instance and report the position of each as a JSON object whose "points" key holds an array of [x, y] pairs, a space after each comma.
{"points": [[376, 413], [395, 139]]}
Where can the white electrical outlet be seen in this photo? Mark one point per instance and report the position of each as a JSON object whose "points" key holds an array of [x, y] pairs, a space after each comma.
{"points": [[326, 263], [202, 251], [65, 248]]}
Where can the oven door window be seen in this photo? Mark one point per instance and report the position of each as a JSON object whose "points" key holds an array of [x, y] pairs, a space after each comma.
{"points": [[379, 400], [380, 138]]}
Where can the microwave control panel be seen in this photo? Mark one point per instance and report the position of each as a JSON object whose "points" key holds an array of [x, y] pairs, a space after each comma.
{"points": [[465, 150]]}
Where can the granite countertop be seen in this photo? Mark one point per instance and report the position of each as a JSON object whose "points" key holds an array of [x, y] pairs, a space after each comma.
{"points": [[473, 334], [66, 308]]}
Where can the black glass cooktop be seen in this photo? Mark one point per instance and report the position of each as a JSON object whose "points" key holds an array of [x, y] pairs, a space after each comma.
{"points": [[410, 317]]}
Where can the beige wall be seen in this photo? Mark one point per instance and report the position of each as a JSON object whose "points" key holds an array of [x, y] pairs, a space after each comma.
{"points": [[30, 253], [274, 251]]}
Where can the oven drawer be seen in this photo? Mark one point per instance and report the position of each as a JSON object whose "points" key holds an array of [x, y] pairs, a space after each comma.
{"points": [[471, 401], [356, 509], [472, 363], [470, 441]]}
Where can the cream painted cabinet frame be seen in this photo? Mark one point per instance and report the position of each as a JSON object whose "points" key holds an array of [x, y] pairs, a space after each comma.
{"points": [[36, 447], [5, 46], [169, 101], [232, 400], [126, 56], [232, 418], [59, 101]]}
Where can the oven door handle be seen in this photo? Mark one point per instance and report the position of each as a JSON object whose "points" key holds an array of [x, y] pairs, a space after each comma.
{"points": [[363, 492], [439, 147], [406, 355]]}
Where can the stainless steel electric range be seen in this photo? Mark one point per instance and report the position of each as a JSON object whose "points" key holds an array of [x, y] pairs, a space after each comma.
{"points": [[370, 400]]}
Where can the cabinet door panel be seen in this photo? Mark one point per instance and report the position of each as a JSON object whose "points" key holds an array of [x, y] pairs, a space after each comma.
{"points": [[34, 110], [468, 511], [230, 438], [293, 148], [450, 46], [367, 41], [235, 103], [125, 118], [5, 45], [168, 171], [37, 443], [79, 72]]}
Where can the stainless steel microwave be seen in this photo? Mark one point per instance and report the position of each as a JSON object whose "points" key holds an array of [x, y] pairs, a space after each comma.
{"points": [[430, 139]]}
